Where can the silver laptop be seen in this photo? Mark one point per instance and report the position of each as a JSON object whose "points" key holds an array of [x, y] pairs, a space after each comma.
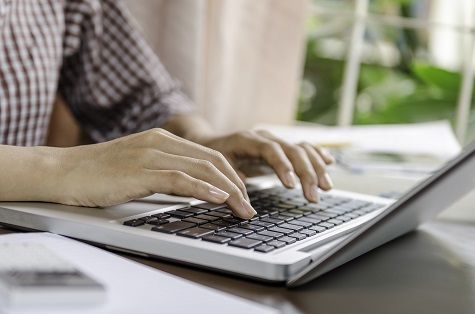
{"points": [[290, 241]]}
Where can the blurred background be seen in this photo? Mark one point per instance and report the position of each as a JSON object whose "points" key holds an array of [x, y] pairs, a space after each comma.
{"points": [[413, 57], [331, 62]]}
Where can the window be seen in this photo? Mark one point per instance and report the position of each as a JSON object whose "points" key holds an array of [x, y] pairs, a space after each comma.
{"points": [[390, 61]]}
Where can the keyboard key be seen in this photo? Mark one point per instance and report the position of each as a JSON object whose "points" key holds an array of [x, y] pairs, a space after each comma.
{"points": [[273, 220], [295, 203], [195, 232], [235, 220], [288, 240], [264, 248], [337, 211], [194, 210], [360, 212], [285, 218], [210, 206], [261, 213], [298, 236], [223, 223], [180, 214], [264, 224], [259, 237], [240, 230], [161, 216], [281, 198], [281, 230], [315, 207], [228, 234], [298, 212], [216, 239], [283, 206], [313, 221], [158, 222], [269, 210], [225, 210], [212, 226], [292, 227], [308, 232], [326, 225], [298, 222], [149, 219], [196, 220], [357, 204], [218, 214], [336, 222], [276, 244], [134, 223], [317, 228], [173, 227], [352, 215], [245, 243], [327, 214], [251, 227], [289, 214], [145, 218], [344, 218], [272, 234], [372, 207], [318, 216], [207, 217]]}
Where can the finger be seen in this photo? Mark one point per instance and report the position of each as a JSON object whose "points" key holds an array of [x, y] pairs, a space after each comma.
{"points": [[304, 170], [324, 154], [257, 146], [302, 165], [241, 174], [180, 183], [205, 171], [319, 166], [175, 145]]}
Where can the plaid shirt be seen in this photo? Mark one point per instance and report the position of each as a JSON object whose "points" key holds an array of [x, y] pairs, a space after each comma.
{"points": [[91, 53]]}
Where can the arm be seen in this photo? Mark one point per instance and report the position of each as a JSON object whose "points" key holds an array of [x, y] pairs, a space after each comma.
{"points": [[113, 172]]}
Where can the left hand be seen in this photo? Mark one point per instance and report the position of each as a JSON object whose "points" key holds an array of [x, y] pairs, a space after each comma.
{"points": [[305, 160]]}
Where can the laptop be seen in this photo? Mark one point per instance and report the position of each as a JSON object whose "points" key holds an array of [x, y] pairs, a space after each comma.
{"points": [[289, 241]]}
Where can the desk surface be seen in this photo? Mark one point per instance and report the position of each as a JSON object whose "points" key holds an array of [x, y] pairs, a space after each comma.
{"points": [[431, 270]]}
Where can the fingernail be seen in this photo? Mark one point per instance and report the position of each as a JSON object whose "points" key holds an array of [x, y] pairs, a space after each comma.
{"points": [[248, 208], [290, 179], [218, 194], [313, 193], [328, 181]]}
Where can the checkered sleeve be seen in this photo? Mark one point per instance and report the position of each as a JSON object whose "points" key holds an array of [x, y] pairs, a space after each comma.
{"points": [[113, 82]]}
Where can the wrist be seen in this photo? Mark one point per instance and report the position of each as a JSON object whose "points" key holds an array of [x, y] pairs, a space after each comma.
{"points": [[28, 173], [192, 128], [46, 174]]}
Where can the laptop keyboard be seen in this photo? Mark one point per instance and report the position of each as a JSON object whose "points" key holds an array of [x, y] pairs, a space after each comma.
{"points": [[283, 217]]}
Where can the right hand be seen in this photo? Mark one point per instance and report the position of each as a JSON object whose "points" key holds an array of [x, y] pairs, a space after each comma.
{"points": [[139, 165]]}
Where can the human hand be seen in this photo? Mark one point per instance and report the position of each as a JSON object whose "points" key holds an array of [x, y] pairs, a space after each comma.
{"points": [[138, 165], [307, 161]]}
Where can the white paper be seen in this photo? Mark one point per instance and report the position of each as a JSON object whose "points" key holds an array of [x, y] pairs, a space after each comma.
{"points": [[432, 138], [133, 287]]}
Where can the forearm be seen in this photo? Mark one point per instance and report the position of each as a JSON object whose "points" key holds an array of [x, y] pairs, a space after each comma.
{"points": [[28, 173]]}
